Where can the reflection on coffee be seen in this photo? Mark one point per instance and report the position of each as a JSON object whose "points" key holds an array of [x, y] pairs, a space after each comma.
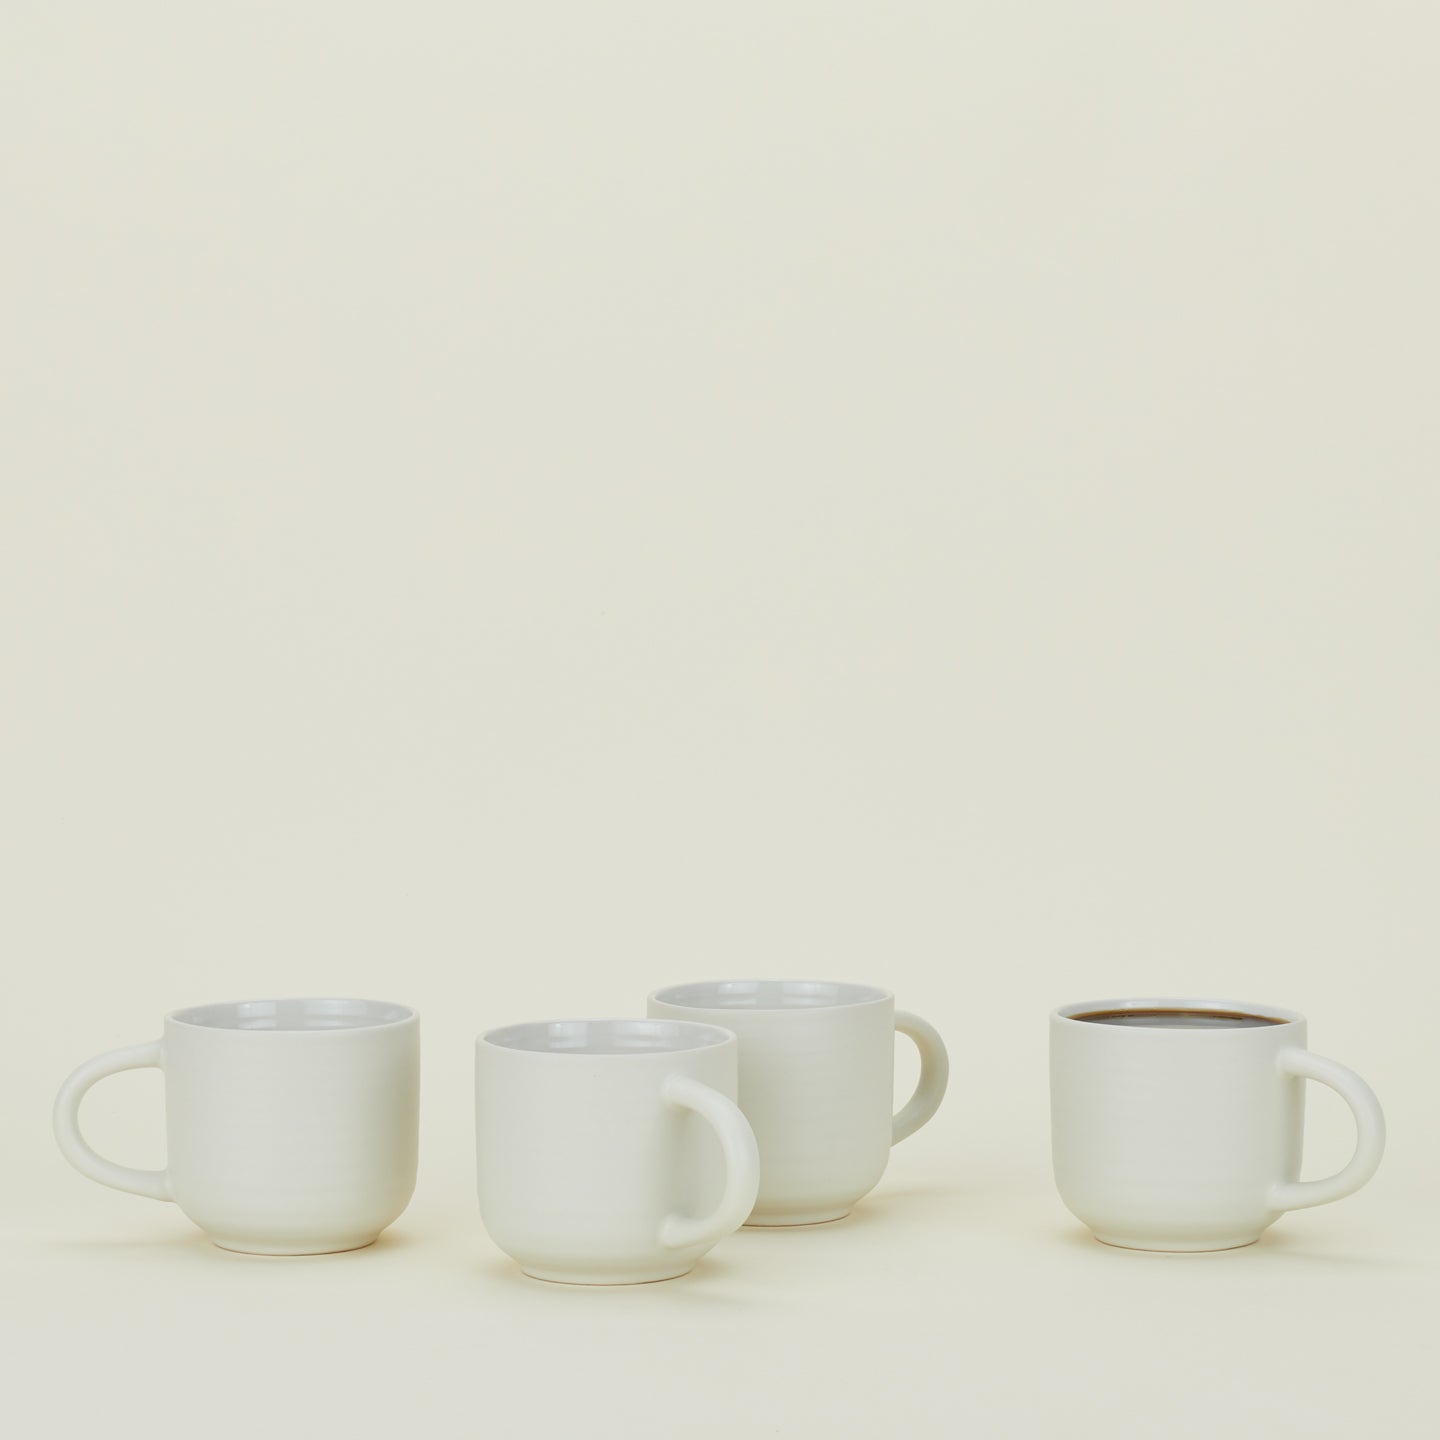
{"points": [[1179, 1019]]}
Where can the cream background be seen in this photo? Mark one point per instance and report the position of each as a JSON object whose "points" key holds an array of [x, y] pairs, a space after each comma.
{"points": [[505, 507]]}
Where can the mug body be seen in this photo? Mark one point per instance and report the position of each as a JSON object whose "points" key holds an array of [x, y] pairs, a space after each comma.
{"points": [[580, 1158], [817, 1079], [1172, 1138], [292, 1124]]}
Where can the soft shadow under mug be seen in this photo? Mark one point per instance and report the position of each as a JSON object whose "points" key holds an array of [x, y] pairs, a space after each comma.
{"points": [[817, 1080], [1178, 1124], [291, 1125]]}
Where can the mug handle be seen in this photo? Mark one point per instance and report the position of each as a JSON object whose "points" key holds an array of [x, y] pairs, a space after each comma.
{"points": [[742, 1165], [1369, 1134], [934, 1075], [154, 1183]]}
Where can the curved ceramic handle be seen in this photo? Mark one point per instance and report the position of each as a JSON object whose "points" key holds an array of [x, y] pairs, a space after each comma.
{"points": [[742, 1165], [1369, 1134], [934, 1075], [154, 1183]]}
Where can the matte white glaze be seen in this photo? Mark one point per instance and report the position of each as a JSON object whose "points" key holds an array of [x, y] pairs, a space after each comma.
{"points": [[1171, 1139], [292, 1125], [817, 1075], [610, 1152]]}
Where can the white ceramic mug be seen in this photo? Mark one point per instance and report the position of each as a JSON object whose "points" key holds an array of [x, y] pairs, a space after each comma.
{"points": [[1185, 1133], [817, 1077], [610, 1152], [291, 1125]]}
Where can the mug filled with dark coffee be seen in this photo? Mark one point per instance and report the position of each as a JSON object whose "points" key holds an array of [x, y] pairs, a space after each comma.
{"points": [[1178, 1124]]}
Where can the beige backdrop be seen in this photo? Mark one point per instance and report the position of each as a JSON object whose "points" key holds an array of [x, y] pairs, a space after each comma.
{"points": [[506, 506]]}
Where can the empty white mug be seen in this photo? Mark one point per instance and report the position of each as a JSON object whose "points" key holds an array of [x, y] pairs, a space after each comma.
{"points": [[817, 1077], [1178, 1124], [610, 1152], [291, 1125]]}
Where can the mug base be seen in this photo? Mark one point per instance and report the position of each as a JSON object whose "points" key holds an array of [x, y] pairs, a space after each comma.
{"points": [[1178, 1247], [264, 1247], [777, 1221], [574, 1277]]}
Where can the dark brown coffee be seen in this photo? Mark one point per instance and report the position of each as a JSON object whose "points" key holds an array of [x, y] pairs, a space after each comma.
{"points": [[1179, 1019]]}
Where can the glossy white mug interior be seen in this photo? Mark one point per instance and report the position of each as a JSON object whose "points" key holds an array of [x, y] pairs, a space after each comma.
{"points": [[291, 1125], [817, 1077], [1190, 1138], [610, 1152]]}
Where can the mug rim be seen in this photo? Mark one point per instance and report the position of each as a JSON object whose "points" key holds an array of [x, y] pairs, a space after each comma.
{"points": [[1277, 1013], [354, 1014], [696, 1036], [685, 996]]}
